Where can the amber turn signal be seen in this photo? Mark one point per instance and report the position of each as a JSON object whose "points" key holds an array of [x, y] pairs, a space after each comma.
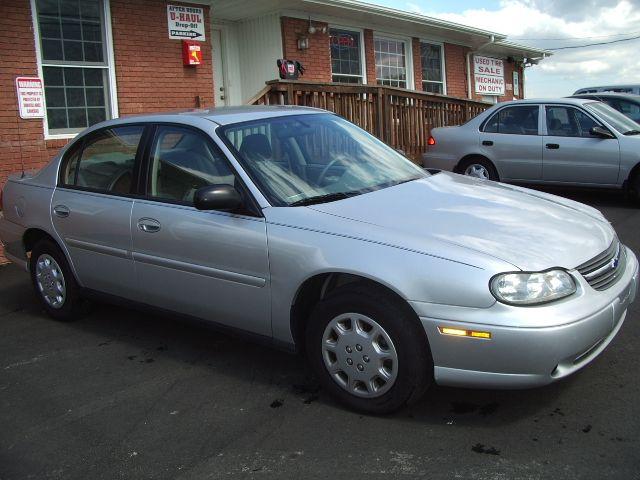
{"points": [[458, 332]]}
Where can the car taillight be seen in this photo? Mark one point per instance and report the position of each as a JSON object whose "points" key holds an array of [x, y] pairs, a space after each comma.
{"points": [[431, 141]]}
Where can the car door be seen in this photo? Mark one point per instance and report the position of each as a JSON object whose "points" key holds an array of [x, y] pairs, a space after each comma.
{"points": [[510, 138], [572, 154], [91, 208], [208, 264]]}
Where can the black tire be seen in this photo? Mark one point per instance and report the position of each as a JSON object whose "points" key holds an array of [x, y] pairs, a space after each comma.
{"points": [[414, 366], [634, 188], [73, 306], [491, 169]]}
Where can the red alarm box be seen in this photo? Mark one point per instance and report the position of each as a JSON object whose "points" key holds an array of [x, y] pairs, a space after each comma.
{"points": [[191, 53]]}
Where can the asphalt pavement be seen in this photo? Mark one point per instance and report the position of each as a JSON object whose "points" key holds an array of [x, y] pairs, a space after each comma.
{"points": [[126, 394]]}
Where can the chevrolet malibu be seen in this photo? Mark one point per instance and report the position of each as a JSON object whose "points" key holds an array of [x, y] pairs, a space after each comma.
{"points": [[299, 229]]}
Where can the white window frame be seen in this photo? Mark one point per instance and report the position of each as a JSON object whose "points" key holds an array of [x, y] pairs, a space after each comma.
{"points": [[111, 74], [442, 64], [363, 60], [408, 54]]}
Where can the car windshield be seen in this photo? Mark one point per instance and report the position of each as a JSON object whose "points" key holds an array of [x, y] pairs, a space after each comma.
{"points": [[304, 159], [617, 120]]}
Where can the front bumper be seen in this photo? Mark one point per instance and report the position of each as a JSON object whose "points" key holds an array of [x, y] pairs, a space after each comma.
{"points": [[576, 331]]}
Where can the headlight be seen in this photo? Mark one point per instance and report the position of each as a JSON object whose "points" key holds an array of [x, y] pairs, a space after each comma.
{"points": [[532, 288]]}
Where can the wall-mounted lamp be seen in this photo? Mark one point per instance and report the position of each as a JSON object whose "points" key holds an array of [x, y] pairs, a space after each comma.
{"points": [[303, 43]]}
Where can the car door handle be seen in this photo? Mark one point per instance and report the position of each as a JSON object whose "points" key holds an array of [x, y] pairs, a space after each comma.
{"points": [[149, 225], [552, 146], [488, 143], [61, 211]]}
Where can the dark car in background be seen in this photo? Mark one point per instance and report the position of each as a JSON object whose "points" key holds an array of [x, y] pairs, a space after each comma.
{"points": [[625, 103]]}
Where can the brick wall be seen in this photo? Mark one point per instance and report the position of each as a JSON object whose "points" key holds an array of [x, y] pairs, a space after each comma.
{"points": [[21, 141], [149, 73], [370, 57], [317, 58], [455, 61], [417, 64]]}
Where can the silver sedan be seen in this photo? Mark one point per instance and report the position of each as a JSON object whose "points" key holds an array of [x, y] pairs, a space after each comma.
{"points": [[568, 141], [298, 229]]}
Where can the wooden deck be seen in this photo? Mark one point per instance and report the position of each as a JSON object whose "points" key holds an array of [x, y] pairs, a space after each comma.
{"points": [[401, 118]]}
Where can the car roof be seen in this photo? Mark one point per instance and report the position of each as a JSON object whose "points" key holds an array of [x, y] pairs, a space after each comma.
{"points": [[219, 115], [630, 96], [565, 100]]}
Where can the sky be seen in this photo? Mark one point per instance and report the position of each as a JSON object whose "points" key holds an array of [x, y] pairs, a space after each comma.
{"points": [[554, 23]]}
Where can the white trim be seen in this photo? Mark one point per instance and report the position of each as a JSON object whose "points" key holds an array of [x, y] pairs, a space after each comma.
{"points": [[375, 27], [108, 44], [443, 64], [363, 59], [113, 87], [408, 54]]}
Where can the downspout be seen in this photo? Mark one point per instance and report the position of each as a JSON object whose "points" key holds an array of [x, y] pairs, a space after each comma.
{"points": [[469, 53]]}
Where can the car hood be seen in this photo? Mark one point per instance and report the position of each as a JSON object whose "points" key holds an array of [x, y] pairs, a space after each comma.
{"points": [[528, 229]]}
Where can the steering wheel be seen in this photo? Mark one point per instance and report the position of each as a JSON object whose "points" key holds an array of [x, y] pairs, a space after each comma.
{"points": [[326, 169], [121, 182]]}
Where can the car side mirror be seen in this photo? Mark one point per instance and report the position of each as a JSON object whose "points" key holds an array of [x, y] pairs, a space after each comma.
{"points": [[601, 132], [217, 197]]}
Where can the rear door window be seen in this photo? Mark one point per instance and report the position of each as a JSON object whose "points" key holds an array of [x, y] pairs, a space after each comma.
{"points": [[517, 120], [568, 122], [106, 161]]}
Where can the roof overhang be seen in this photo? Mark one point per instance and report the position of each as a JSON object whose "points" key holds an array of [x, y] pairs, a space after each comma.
{"points": [[379, 18]]}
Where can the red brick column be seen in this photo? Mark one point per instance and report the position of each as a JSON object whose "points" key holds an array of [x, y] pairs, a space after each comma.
{"points": [[417, 63], [149, 71], [455, 59], [317, 58], [370, 57]]}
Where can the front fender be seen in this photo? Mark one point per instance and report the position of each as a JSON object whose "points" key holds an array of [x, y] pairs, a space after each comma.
{"points": [[297, 254]]}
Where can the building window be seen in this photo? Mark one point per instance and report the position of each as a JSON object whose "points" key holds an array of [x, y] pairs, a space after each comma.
{"points": [[346, 60], [432, 57], [74, 62], [391, 62]]}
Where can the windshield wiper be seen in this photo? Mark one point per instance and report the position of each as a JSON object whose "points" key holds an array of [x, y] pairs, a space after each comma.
{"points": [[327, 197], [632, 132]]}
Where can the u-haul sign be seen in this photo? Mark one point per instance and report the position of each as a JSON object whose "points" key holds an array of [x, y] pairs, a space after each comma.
{"points": [[186, 23], [488, 75]]}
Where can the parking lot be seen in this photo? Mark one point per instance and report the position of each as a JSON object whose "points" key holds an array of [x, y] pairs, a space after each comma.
{"points": [[125, 394]]}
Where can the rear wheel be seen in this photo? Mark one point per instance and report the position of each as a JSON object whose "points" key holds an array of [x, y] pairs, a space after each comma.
{"points": [[54, 282], [479, 167], [368, 349]]}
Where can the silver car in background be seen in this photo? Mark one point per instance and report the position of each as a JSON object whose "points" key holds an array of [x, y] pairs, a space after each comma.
{"points": [[568, 141], [300, 229]]}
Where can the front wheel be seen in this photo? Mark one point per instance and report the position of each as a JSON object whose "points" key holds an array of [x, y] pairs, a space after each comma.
{"points": [[368, 349], [634, 188]]}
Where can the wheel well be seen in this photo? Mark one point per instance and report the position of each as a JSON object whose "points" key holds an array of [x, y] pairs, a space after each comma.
{"points": [[33, 236], [471, 157], [318, 287], [635, 171]]}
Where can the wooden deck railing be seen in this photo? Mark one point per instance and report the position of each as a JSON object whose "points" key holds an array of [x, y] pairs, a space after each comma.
{"points": [[401, 118]]}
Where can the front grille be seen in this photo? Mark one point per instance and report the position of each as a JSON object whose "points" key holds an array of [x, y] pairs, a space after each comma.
{"points": [[602, 271]]}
